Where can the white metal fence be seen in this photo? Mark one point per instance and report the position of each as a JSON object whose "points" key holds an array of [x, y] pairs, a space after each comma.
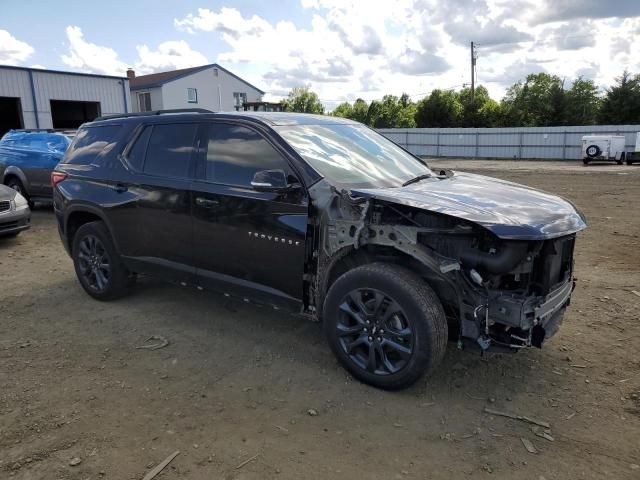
{"points": [[562, 143]]}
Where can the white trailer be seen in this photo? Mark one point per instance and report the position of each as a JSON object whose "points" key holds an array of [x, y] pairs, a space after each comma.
{"points": [[603, 147], [635, 155]]}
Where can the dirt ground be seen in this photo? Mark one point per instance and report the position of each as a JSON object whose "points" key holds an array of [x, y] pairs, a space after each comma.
{"points": [[233, 389]]}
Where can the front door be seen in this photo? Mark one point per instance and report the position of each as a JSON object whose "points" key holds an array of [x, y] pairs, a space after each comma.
{"points": [[246, 241]]}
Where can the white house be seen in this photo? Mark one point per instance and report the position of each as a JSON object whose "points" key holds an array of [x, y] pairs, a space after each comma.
{"points": [[210, 86]]}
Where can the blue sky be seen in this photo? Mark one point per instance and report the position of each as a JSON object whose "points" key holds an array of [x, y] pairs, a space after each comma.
{"points": [[122, 25], [343, 49]]}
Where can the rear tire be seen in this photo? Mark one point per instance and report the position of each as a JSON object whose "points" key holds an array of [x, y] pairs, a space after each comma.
{"points": [[585, 161], [98, 265], [385, 325]]}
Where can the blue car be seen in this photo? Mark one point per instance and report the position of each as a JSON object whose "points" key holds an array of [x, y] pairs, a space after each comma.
{"points": [[27, 159]]}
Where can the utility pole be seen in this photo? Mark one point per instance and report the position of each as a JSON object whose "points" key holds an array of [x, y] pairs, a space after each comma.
{"points": [[473, 73]]}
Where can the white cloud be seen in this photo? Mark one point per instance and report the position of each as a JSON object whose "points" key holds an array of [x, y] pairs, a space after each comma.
{"points": [[369, 48], [343, 40], [91, 57], [12, 50], [170, 55], [348, 49], [228, 21]]}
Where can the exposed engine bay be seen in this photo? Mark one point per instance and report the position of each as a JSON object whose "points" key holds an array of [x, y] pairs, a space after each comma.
{"points": [[497, 293]]}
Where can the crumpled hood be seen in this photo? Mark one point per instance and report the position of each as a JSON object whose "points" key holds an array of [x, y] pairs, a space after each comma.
{"points": [[509, 210]]}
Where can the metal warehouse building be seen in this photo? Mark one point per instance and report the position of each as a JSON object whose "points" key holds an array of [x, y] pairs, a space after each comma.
{"points": [[35, 98]]}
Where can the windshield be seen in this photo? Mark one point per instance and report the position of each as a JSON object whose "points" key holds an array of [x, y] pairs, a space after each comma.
{"points": [[353, 155]]}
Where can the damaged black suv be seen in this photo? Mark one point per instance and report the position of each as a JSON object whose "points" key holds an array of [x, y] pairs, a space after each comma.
{"points": [[324, 216]]}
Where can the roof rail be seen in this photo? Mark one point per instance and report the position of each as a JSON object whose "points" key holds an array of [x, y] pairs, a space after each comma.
{"points": [[154, 112], [29, 130]]}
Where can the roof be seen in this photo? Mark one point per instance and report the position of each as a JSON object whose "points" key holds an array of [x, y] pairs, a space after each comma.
{"points": [[154, 80], [268, 118], [43, 70], [291, 118]]}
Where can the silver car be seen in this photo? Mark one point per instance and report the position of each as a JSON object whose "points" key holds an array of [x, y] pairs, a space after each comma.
{"points": [[15, 215]]}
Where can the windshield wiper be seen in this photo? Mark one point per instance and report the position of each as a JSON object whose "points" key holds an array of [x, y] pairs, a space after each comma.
{"points": [[417, 179]]}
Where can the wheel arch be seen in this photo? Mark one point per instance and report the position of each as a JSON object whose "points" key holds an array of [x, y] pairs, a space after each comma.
{"points": [[78, 215], [349, 258], [13, 171]]}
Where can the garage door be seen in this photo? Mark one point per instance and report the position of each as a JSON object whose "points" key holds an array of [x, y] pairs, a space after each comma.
{"points": [[10, 114], [71, 114]]}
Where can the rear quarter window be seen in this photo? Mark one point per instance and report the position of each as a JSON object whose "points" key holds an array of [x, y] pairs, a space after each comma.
{"points": [[89, 142]]}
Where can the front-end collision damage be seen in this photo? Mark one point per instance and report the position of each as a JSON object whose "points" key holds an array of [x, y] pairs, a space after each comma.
{"points": [[497, 293]]}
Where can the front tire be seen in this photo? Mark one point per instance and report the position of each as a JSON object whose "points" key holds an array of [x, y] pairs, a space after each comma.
{"points": [[385, 325], [97, 263]]}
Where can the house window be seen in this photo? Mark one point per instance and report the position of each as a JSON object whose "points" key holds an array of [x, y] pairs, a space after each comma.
{"points": [[144, 102], [192, 95], [239, 99]]}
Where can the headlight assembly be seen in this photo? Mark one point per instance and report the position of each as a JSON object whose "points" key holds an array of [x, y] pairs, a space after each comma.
{"points": [[20, 202]]}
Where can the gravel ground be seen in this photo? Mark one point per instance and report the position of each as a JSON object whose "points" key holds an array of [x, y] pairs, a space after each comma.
{"points": [[247, 392]]}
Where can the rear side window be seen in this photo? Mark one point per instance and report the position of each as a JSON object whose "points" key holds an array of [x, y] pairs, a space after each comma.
{"points": [[89, 143], [135, 157], [235, 154], [169, 150]]}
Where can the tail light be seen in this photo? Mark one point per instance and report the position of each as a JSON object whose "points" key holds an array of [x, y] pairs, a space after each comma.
{"points": [[57, 177]]}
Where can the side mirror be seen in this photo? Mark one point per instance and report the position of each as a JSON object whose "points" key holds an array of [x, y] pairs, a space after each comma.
{"points": [[271, 181]]}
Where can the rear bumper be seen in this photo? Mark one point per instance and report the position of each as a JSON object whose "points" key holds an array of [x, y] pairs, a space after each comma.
{"points": [[60, 223], [14, 221]]}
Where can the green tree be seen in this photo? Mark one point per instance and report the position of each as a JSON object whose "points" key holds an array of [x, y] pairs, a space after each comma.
{"points": [[360, 109], [582, 103], [303, 100], [537, 102], [621, 104], [395, 112], [482, 111], [490, 114], [373, 112], [440, 109], [344, 110]]}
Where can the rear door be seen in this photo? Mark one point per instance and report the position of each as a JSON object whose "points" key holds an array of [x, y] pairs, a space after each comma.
{"points": [[245, 240], [153, 221]]}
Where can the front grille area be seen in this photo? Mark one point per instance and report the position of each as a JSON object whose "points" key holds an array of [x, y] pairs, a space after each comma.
{"points": [[5, 205], [554, 264]]}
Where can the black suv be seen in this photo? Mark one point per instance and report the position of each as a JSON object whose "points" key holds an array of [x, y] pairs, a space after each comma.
{"points": [[326, 217]]}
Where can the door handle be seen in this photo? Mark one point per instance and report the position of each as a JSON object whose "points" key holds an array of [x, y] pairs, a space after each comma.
{"points": [[206, 202], [120, 187]]}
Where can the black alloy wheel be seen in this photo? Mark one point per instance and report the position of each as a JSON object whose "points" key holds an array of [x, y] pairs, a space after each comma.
{"points": [[374, 332], [385, 325], [94, 263], [98, 265]]}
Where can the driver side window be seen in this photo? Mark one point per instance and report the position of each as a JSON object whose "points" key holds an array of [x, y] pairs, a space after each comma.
{"points": [[235, 153]]}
